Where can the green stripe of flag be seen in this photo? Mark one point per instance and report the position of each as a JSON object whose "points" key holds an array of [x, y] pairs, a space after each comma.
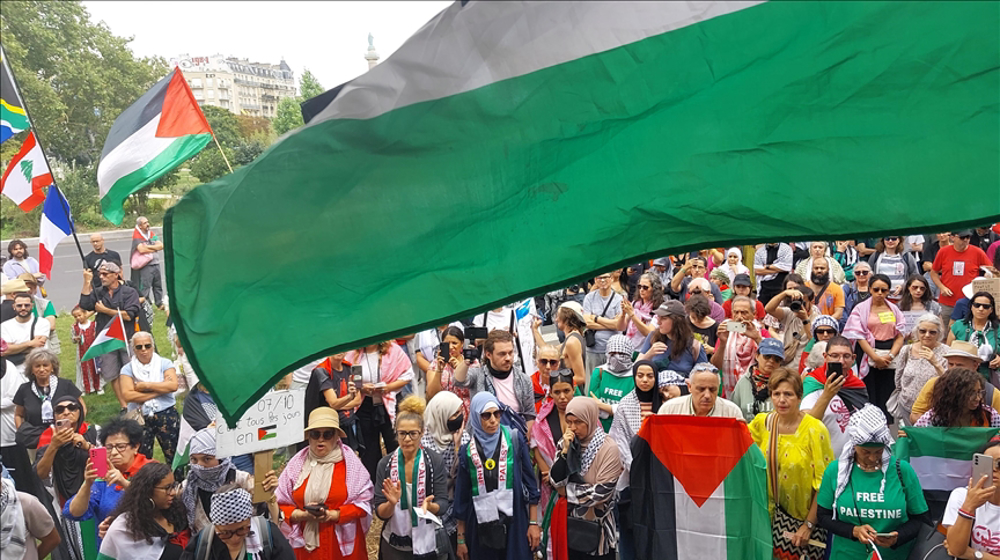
{"points": [[747, 534], [945, 443]]}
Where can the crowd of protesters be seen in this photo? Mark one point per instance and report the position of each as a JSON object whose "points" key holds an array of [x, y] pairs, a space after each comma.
{"points": [[462, 447]]}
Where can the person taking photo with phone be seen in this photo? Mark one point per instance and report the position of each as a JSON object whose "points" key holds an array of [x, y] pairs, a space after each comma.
{"points": [[441, 372], [63, 448], [833, 391], [972, 515], [739, 338]]}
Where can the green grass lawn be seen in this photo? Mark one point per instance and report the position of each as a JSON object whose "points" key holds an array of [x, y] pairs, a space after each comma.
{"points": [[101, 408]]}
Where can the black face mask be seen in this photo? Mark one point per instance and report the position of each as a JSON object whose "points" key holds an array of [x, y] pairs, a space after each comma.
{"points": [[455, 424], [820, 279]]}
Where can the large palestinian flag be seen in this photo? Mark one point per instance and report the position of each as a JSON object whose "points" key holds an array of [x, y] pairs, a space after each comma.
{"points": [[158, 132], [699, 490]]}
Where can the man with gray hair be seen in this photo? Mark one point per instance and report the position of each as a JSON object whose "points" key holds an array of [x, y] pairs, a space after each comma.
{"points": [[99, 255], [110, 300], [148, 382], [146, 262], [704, 400]]}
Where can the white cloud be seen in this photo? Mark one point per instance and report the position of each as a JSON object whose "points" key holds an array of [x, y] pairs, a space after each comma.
{"points": [[328, 38]]}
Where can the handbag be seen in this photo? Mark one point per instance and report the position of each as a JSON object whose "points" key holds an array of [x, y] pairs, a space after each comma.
{"points": [[139, 260], [589, 336], [135, 415], [582, 535], [493, 535], [782, 522]]}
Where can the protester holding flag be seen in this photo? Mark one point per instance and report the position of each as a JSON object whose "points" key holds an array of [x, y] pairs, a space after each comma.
{"points": [[98, 498], [496, 496], [150, 521], [973, 514], [111, 301], [148, 383], [325, 495], [957, 401], [586, 472], [409, 479], [797, 448], [445, 434], [866, 493], [546, 435]]}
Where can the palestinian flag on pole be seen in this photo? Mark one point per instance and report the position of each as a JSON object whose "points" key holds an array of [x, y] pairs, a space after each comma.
{"points": [[111, 337], [689, 121], [699, 490], [942, 457], [158, 132], [27, 175]]}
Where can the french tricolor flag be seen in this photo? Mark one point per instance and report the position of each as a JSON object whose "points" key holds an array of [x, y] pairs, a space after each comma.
{"points": [[57, 224]]}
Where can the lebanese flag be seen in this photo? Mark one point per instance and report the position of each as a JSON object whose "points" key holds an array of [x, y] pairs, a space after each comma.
{"points": [[154, 135], [112, 337], [57, 224], [27, 175], [699, 490]]}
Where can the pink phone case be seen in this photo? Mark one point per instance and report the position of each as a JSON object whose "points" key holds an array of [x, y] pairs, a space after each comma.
{"points": [[99, 457]]}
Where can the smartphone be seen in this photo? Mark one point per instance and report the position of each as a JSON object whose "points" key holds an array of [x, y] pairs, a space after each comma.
{"points": [[834, 370], [63, 423], [736, 327], [445, 350], [982, 465], [357, 376], [475, 333], [317, 509], [883, 535], [99, 458]]}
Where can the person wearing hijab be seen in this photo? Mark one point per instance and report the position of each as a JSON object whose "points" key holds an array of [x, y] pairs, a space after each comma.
{"points": [[612, 380], [63, 447], [208, 473], [495, 521], [235, 532], [824, 328], [23, 520], [444, 434], [866, 493], [586, 472], [325, 494], [546, 433], [734, 264]]}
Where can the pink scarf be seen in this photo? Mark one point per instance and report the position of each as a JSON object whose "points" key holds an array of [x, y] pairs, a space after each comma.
{"points": [[359, 492], [391, 366], [857, 328]]}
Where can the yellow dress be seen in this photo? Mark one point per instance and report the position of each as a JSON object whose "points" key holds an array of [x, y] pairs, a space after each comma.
{"points": [[802, 458]]}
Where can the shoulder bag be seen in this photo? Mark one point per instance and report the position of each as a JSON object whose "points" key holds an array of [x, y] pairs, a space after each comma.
{"points": [[589, 336], [139, 260], [783, 523]]}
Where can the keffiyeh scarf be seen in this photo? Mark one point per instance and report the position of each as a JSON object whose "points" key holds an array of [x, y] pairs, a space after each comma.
{"points": [[867, 425], [13, 533], [199, 478], [231, 507], [619, 354]]}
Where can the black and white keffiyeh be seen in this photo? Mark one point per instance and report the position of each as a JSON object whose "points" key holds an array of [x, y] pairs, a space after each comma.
{"points": [[231, 507], [13, 532], [619, 354], [867, 425]]}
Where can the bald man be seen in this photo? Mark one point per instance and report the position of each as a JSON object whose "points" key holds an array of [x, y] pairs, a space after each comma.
{"points": [[100, 255]]}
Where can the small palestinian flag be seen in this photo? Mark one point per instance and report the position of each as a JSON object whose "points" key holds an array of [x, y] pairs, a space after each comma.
{"points": [[267, 432], [112, 337], [699, 490], [942, 457]]}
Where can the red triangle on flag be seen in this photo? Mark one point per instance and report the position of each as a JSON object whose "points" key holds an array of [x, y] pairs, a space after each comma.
{"points": [[117, 330], [699, 452], [180, 115]]}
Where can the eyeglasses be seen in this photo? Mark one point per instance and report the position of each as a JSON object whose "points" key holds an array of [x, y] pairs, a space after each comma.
{"points": [[603, 278], [825, 331], [891, 238], [548, 362], [978, 305], [840, 357], [64, 407], [170, 488], [927, 331], [241, 532], [862, 272], [143, 346], [641, 287], [414, 434], [484, 416], [324, 435], [119, 447], [879, 290]]}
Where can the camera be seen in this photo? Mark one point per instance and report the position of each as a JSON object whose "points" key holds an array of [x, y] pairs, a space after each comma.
{"points": [[470, 353], [796, 305]]}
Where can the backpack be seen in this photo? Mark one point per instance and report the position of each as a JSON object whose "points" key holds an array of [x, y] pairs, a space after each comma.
{"points": [[260, 525]]}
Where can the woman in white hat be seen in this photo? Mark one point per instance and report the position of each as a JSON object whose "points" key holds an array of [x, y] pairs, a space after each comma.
{"points": [[325, 493]]}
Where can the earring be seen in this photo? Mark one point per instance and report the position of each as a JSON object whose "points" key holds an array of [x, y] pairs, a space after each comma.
{"points": [[152, 504]]}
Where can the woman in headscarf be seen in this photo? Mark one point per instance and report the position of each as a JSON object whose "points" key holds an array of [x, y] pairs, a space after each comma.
{"points": [[150, 522], [586, 472], [411, 478], [494, 520], [866, 492], [325, 494], [546, 432], [443, 434], [734, 264], [208, 473], [235, 532], [612, 379], [824, 328]]}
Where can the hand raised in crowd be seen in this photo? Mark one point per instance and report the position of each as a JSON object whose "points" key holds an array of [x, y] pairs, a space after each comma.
{"points": [[627, 308], [391, 491], [536, 323], [116, 477], [921, 352], [979, 493], [88, 275], [833, 385], [89, 473], [62, 436]]}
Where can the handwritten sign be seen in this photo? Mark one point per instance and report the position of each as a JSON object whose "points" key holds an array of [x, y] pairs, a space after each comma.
{"points": [[988, 285], [274, 421]]}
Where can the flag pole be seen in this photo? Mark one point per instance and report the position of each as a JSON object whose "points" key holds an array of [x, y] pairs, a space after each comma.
{"points": [[221, 151], [38, 142]]}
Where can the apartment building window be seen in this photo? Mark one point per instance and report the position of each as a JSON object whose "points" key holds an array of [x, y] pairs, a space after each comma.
{"points": [[196, 83], [210, 94], [208, 82]]}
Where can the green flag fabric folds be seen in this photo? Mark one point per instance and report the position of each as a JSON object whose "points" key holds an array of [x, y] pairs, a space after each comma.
{"points": [[512, 147]]}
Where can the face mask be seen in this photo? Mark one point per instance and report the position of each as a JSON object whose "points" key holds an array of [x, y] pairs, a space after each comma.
{"points": [[454, 424], [619, 363]]}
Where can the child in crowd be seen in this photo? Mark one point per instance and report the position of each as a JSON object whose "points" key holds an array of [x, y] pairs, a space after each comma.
{"points": [[84, 333]]}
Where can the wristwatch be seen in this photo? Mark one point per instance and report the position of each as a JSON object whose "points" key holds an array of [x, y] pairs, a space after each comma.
{"points": [[810, 524], [978, 555]]}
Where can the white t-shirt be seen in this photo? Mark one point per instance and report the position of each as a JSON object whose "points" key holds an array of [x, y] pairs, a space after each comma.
{"points": [[370, 371], [835, 419], [18, 333], [303, 374], [505, 391], [8, 386], [986, 527]]}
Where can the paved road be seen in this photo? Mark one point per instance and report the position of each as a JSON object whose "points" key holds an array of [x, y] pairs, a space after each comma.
{"points": [[67, 270]]}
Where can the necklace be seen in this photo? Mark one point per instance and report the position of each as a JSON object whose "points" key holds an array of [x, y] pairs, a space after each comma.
{"points": [[877, 466]]}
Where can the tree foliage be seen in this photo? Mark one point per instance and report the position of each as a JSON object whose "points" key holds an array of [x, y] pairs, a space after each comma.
{"points": [[287, 116], [309, 86]]}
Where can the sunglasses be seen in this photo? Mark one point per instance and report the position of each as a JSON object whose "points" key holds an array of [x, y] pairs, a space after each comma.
{"points": [[548, 362], [143, 346], [917, 287], [641, 287], [241, 532], [484, 416], [324, 435], [64, 407], [978, 305], [879, 290], [415, 434], [891, 238], [862, 272], [825, 331], [927, 331]]}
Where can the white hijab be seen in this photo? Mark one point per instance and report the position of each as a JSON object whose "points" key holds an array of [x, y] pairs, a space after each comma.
{"points": [[740, 268]]}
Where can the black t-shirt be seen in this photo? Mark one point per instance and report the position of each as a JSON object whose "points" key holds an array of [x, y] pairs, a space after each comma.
{"points": [[26, 397], [319, 382], [708, 335], [94, 260]]}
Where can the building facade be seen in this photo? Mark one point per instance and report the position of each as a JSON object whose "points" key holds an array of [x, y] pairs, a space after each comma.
{"points": [[237, 85]]}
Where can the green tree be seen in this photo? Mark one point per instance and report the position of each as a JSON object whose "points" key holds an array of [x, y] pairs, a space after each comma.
{"points": [[287, 116], [309, 86]]}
